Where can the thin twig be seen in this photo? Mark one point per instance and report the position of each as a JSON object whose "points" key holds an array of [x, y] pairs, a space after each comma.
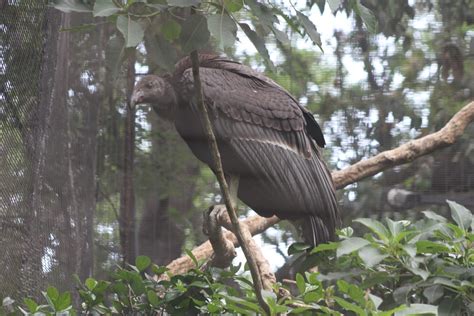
{"points": [[257, 280]]}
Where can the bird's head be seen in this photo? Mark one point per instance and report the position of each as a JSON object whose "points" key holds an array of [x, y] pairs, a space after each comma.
{"points": [[156, 91]]}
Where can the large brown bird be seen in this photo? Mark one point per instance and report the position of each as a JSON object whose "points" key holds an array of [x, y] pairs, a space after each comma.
{"points": [[264, 136]]}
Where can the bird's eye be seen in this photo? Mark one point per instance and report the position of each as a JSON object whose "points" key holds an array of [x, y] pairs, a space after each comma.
{"points": [[149, 85]]}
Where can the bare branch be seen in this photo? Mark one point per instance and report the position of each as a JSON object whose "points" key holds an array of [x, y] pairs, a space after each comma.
{"points": [[244, 239], [448, 135]]}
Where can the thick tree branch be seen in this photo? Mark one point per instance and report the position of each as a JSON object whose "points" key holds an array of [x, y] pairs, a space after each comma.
{"points": [[244, 239], [448, 135], [407, 152]]}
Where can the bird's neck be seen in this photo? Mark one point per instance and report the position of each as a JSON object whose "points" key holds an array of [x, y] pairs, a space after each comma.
{"points": [[166, 104]]}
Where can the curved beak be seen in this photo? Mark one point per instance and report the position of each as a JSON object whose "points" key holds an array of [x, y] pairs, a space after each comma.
{"points": [[137, 98]]}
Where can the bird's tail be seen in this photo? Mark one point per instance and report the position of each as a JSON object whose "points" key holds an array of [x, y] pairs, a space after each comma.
{"points": [[315, 232]]}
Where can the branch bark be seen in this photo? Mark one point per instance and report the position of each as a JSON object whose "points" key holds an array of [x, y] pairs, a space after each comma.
{"points": [[448, 135]]}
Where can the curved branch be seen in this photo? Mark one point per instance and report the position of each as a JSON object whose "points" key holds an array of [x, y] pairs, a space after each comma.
{"points": [[448, 135]]}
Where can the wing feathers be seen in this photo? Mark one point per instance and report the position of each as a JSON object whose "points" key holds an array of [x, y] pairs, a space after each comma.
{"points": [[263, 136]]}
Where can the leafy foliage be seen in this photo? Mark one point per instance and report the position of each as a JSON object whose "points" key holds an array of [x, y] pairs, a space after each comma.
{"points": [[217, 18], [397, 268]]}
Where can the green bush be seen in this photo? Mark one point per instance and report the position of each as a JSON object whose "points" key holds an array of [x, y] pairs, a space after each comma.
{"points": [[398, 267]]}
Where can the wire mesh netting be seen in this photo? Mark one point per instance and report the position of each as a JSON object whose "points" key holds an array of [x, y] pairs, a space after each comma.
{"points": [[62, 127], [47, 195]]}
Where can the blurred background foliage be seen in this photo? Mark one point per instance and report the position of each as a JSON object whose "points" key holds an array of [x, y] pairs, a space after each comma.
{"points": [[87, 182]]}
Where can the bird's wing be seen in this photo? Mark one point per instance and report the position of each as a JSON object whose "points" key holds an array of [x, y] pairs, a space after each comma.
{"points": [[260, 82], [263, 137]]}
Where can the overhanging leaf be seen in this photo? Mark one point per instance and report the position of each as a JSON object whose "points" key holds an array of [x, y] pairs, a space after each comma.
{"points": [[104, 8], [334, 4], [194, 33], [367, 17], [310, 29], [171, 29], [233, 5], [223, 28], [350, 245], [160, 51], [131, 30], [257, 42], [280, 36]]}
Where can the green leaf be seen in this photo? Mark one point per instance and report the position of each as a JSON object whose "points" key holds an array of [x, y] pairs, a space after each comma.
{"points": [[183, 3], [223, 28], [250, 305], [376, 300], [233, 5], [433, 293], [350, 245], [297, 247], [63, 302], [353, 291], [461, 215], [142, 262], [434, 216], [367, 17], [131, 30], [420, 272], [349, 306], [257, 41], [418, 309], [161, 52], [427, 246], [194, 34], [52, 293], [395, 227], [324, 247], [334, 4], [105, 8], [71, 6], [449, 307], [170, 29], [400, 295], [90, 283], [158, 270], [191, 255], [375, 226], [410, 250], [311, 297], [31, 304], [282, 37], [300, 283], [310, 29], [371, 256], [153, 298]]}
